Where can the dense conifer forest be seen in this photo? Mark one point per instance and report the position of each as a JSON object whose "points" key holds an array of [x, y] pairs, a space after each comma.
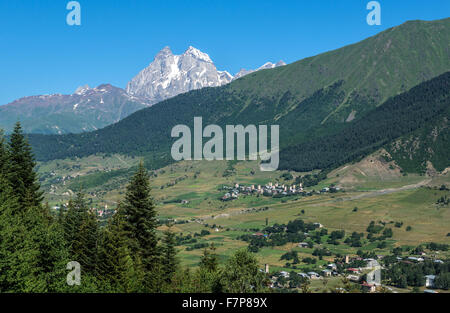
{"points": [[126, 255], [306, 142]]}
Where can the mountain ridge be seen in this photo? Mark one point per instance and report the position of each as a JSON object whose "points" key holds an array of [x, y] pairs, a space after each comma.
{"points": [[303, 113], [86, 109], [166, 76]]}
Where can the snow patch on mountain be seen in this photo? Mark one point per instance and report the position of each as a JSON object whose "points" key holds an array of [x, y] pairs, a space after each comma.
{"points": [[169, 75], [267, 65]]}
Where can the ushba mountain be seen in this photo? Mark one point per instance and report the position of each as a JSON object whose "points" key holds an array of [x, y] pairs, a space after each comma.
{"points": [[89, 109], [169, 75]]}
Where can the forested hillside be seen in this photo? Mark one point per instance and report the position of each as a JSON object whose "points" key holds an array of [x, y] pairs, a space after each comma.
{"points": [[424, 107], [127, 255], [412, 152]]}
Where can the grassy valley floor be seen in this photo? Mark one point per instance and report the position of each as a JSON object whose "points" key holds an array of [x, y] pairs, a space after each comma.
{"points": [[189, 193]]}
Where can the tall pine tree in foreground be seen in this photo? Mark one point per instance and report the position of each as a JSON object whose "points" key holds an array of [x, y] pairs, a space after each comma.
{"points": [[81, 232], [32, 249], [141, 223], [169, 256], [241, 274], [21, 169], [3, 153], [117, 270], [210, 260], [207, 278]]}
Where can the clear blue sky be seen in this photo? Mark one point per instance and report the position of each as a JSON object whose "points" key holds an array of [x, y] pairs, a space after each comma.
{"points": [[41, 54]]}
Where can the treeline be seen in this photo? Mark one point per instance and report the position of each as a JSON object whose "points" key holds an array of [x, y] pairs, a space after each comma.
{"points": [[127, 255], [278, 235], [423, 105], [308, 139], [403, 274]]}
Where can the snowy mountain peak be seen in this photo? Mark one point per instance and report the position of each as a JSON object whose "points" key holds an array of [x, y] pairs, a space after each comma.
{"points": [[266, 65], [194, 52], [169, 75], [164, 52], [82, 89]]}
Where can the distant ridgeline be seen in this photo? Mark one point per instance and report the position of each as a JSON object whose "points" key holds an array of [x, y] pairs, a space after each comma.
{"points": [[332, 108], [413, 126]]}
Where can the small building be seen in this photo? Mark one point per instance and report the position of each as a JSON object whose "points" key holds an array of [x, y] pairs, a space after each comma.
{"points": [[284, 274], [353, 270], [313, 275], [303, 245], [353, 277], [303, 275], [326, 273], [332, 266], [371, 263], [429, 280], [368, 287]]}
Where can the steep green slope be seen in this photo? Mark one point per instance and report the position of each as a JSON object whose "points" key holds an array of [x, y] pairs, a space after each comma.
{"points": [[429, 144], [309, 99], [410, 114], [379, 67], [88, 110]]}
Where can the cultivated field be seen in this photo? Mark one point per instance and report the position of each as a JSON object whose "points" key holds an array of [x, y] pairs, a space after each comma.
{"points": [[377, 190]]}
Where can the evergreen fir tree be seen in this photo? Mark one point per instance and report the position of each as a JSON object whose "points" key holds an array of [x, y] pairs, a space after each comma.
{"points": [[3, 153], [81, 233], [52, 254], [85, 246], [209, 260], [208, 277], [118, 271], [241, 274], [169, 257], [32, 248], [141, 222], [19, 254], [21, 169]]}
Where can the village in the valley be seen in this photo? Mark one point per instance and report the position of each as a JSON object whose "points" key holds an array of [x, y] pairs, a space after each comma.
{"points": [[275, 190], [366, 272]]}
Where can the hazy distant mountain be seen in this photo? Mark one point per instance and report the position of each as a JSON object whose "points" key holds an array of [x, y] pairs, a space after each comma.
{"points": [[90, 109], [85, 110], [169, 75], [267, 65]]}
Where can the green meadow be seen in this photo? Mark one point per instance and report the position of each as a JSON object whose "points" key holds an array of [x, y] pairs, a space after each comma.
{"points": [[378, 191]]}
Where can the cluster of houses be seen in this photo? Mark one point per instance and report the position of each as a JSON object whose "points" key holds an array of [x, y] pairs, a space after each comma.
{"points": [[269, 190], [102, 213], [372, 268]]}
